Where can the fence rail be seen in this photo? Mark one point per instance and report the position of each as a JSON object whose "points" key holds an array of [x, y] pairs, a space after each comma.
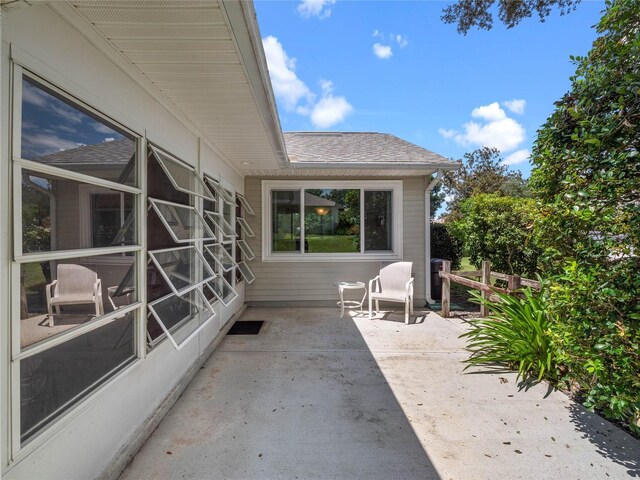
{"points": [[514, 283]]}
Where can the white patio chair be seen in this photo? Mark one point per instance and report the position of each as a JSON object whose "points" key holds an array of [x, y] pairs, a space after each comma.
{"points": [[75, 285], [393, 284]]}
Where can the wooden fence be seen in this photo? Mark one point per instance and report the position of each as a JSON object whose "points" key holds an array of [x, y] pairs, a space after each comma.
{"points": [[514, 283]]}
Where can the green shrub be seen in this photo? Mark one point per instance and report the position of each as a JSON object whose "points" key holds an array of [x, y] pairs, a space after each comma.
{"points": [[587, 179], [444, 245], [515, 334], [499, 229]]}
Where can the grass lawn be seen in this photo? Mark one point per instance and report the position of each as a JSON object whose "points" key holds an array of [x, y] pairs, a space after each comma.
{"points": [[321, 244]]}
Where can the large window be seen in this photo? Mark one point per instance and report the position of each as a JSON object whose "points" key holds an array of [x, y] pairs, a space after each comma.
{"points": [[77, 245], [179, 271], [316, 220]]}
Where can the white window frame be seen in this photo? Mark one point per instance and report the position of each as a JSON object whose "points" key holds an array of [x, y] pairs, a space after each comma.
{"points": [[84, 224], [168, 332], [16, 450], [395, 186]]}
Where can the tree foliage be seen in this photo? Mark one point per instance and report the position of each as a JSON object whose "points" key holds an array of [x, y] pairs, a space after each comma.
{"points": [[445, 245], [482, 171], [587, 178], [476, 13], [499, 229]]}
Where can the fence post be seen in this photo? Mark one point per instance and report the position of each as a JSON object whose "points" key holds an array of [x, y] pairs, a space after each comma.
{"points": [[446, 289], [515, 283], [486, 280]]}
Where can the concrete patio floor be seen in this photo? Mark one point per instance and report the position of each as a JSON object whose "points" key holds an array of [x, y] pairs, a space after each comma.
{"points": [[316, 396]]}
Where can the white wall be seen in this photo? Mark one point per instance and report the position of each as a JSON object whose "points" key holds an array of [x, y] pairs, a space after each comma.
{"points": [[314, 281], [83, 444]]}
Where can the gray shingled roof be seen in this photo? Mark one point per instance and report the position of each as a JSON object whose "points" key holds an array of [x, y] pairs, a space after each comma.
{"points": [[116, 152], [361, 148]]}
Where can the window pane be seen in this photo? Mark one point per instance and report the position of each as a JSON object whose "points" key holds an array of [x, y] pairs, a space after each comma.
{"points": [[332, 221], [179, 316], [183, 268], [218, 255], [61, 214], [182, 177], [246, 250], [59, 295], [285, 219], [220, 225], [377, 221], [247, 274], [245, 205], [246, 229], [222, 290], [182, 222], [52, 381], [58, 133], [216, 190], [112, 219]]}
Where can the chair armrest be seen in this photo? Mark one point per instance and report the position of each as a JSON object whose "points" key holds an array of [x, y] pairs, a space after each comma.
{"points": [[50, 288], [97, 288], [375, 279], [410, 287]]}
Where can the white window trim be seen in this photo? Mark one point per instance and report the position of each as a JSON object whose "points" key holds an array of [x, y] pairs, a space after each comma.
{"points": [[396, 186], [84, 222], [14, 449]]}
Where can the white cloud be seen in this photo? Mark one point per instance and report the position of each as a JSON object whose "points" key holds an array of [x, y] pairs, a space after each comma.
{"points": [[315, 8], [377, 33], [34, 96], [519, 156], [326, 86], [46, 144], [516, 106], [108, 139], [495, 130], [101, 128], [447, 133], [491, 112], [329, 111], [402, 41], [382, 51], [296, 96], [286, 84]]}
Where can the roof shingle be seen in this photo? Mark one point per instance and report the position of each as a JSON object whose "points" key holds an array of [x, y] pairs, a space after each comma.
{"points": [[365, 148]]}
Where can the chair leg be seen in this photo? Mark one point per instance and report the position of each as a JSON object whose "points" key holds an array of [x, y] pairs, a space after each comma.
{"points": [[370, 312], [406, 312], [410, 305], [50, 310], [377, 305]]}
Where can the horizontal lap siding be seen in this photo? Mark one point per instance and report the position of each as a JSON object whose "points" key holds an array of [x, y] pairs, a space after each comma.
{"points": [[313, 281]]}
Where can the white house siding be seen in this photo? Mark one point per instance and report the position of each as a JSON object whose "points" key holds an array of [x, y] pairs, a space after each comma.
{"points": [[84, 443], [313, 281]]}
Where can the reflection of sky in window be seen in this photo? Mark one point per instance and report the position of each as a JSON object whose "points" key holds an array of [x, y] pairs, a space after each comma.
{"points": [[50, 125]]}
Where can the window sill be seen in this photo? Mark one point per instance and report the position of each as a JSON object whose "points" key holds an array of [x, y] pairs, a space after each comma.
{"points": [[332, 257]]}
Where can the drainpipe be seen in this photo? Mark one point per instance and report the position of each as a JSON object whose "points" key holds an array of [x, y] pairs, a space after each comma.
{"points": [[427, 237]]}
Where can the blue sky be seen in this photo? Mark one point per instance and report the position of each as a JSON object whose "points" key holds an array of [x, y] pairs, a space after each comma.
{"points": [[395, 67]]}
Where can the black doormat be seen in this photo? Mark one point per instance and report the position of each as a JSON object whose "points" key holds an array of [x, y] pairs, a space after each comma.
{"points": [[248, 327]]}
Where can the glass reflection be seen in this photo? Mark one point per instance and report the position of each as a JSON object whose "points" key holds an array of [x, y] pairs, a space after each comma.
{"points": [[56, 296], [332, 220], [53, 380], [58, 133], [61, 214]]}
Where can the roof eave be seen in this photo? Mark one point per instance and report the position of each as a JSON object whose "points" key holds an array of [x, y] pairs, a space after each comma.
{"points": [[427, 167], [241, 16]]}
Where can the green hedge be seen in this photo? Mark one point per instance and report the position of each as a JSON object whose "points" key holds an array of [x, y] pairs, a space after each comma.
{"points": [[444, 245], [499, 229], [587, 178]]}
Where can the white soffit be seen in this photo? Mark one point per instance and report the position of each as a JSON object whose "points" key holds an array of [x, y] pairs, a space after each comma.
{"points": [[203, 66]]}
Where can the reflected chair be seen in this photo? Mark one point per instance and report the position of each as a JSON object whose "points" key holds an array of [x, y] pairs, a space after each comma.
{"points": [[393, 284], [75, 285]]}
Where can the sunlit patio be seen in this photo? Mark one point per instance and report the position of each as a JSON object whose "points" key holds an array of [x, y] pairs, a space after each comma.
{"points": [[316, 396]]}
